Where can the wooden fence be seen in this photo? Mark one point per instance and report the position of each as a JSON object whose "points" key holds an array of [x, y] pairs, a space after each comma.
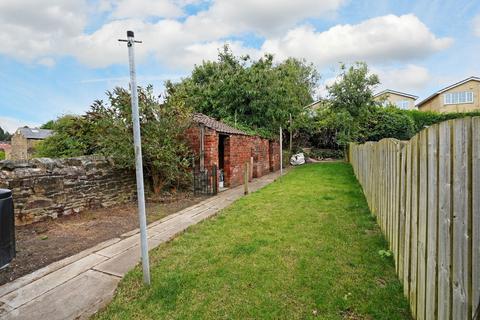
{"points": [[425, 194]]}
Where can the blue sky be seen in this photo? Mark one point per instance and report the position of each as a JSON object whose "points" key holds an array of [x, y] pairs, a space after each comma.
{"points": [[58, 56]]}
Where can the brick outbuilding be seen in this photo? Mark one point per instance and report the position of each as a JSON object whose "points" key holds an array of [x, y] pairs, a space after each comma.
{"points": [[215, 143]]}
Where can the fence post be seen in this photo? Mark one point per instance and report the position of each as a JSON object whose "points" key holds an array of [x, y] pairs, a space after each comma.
{"points": [[245, 178]]}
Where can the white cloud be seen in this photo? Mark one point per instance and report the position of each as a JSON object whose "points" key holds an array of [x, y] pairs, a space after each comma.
{"points": [[146, 8], [42, 31], [382, 39], [268, 16], [32, 29], [47, 62], [11, 124], [410, 79], [476, 25]]}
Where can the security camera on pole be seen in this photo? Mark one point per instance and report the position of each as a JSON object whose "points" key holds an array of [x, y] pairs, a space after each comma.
{"points": [[138, 156]]}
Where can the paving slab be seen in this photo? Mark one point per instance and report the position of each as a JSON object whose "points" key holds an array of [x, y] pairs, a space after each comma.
{"points": [[125, 261], [34, 289], [78, 298], [23, 281]]}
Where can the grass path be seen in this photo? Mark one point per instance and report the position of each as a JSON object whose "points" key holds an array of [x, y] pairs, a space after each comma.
{"points": [[305, 247]]}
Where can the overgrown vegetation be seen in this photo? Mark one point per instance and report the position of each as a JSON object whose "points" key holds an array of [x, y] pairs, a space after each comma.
{"points": [[106, 129], [350, 114], [255, 95], [305, 247], [2, 155]]}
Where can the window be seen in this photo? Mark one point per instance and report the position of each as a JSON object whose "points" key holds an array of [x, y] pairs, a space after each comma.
{"points": [[458, 97], [403, 104]]}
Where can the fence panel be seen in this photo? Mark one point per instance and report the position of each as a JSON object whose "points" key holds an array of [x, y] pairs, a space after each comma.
{"points": [[425, 194], [432, 223]]}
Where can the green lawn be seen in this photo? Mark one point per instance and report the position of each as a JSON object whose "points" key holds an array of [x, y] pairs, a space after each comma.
{"points": [[305, 247]]}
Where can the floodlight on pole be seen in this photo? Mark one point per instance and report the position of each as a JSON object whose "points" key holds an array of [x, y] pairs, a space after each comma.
{"points": [[138, 156]]}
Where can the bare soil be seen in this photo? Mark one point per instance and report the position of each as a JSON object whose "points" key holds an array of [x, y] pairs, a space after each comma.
{"points": [[42, 243]]}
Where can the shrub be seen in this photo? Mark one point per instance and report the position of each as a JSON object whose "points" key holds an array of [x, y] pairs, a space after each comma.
{"points": [[326, 154], [2, 155], [107, 130], [74, 136], [385, 122], [423, 119]]}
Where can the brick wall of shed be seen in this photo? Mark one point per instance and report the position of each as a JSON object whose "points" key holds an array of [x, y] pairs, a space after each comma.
{"points": [[261, 157], [262, 154], [274, 148], [193, 137], [238, 151]]}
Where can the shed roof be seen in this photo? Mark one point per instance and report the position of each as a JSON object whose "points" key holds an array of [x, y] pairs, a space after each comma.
{"points": [[34, 133], [216, 125]]}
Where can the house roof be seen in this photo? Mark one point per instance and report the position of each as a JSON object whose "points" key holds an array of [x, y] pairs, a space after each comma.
{"points": [[216, 125], [34, 133], [403, 94], [447, 88]]}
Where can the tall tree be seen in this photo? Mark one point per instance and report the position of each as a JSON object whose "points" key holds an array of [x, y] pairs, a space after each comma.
{"points": [[256, 93], [353, 92]]}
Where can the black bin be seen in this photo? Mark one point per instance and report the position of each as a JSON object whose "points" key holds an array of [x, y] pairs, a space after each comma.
{"points": [[7, 228]]}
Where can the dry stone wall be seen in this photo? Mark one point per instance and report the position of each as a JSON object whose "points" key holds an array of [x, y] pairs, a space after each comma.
{"points": [[48, 188]]}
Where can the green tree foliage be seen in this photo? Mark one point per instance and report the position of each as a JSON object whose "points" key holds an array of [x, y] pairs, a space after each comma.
{"points": [[2, 155], [74, 136], [4, 135], [423, 119], [48, 125], [353, 92], [351, 114], [385, 122], [254, 93], [106, 129]]}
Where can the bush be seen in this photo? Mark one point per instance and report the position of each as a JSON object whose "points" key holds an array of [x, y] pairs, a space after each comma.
{"points": [[74, 136], [106, 130], [389, 122], [2, 155], [423, 119], [321, 154]]}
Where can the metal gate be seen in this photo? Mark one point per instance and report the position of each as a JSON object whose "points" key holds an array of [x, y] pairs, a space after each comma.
{"points": [[205, 181]]}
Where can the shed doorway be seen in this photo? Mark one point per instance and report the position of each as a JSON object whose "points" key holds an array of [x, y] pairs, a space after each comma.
{"points": [[221, 161]]}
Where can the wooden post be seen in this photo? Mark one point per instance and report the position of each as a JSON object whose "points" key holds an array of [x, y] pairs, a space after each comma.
{"points": [[281, 153], [291, 135], [245, 178]]}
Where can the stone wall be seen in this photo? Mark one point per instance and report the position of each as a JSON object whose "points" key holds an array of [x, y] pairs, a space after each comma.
{"points": [[48, 188]]}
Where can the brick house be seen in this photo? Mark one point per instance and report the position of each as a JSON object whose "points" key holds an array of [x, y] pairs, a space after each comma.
{"points": [[216, 143]]}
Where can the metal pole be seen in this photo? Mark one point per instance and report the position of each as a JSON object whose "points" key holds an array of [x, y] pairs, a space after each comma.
{"points": [[138, 158], [281, 153]]}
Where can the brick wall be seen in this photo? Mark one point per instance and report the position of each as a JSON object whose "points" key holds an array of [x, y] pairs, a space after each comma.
{"points": [[262, 154], [238, 151], [274, 148], [261, 157], [47, 188]]}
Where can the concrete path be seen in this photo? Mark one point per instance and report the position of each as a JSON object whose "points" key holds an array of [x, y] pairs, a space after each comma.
{"points": [[78, 286]]}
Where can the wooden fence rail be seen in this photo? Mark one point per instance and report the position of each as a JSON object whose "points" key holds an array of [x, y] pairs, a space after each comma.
{"points": [[425, 194]]}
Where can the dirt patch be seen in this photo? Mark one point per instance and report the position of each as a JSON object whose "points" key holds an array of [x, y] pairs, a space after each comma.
{"points": [[42, 243]]}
